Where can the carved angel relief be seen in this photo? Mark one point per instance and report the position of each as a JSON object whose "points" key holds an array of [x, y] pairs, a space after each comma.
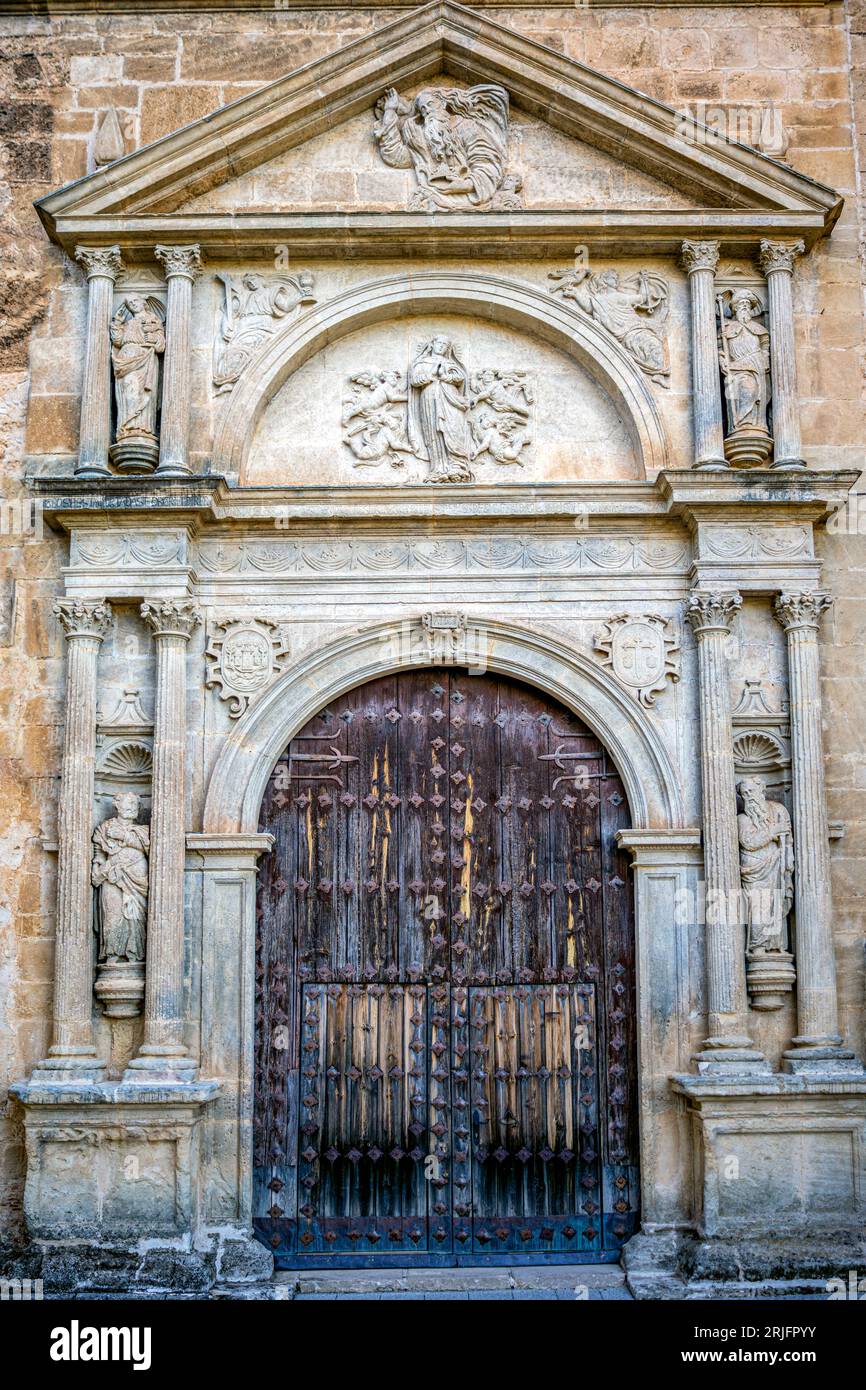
{"points": [[456, 141], [243, 656], [633, 309], [642, 652], [254, 307], [438, 414]]}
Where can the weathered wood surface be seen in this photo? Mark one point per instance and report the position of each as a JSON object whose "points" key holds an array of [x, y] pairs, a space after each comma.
{"points": [[445, 1041]]}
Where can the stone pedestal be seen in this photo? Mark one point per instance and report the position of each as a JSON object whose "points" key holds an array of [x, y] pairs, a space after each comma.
{"points": [[780, 1160], [108, 1162]]}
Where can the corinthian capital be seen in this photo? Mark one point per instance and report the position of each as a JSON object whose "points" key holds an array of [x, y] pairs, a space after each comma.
{"points": [[779, 255], [802, 609], [171, 617], [80, 618], [180, 260], [100, 260], [712, 610], [700, 255]]}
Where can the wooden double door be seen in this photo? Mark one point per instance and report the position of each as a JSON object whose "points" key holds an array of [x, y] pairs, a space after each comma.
{"points": [[445, 1021]]}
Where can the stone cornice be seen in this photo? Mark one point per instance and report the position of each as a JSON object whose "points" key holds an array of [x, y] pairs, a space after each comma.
{"points": [[442, 37], [682, 496], [388, 235], [149, 7]]}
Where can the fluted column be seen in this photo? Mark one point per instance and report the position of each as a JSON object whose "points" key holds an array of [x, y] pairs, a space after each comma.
{"points": [[72, 1054], [777, 262], [162, 1054], [103, 265], [182, 264], [818, 1042], [728, 1046], [700, 259]]}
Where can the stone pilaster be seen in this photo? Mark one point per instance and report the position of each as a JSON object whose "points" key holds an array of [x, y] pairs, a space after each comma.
{"points": [[818, 1043], [163, 1053], [72, 1055], [777, 262], [103, 265], [182, 264], [728, 1046], [700, 259]]}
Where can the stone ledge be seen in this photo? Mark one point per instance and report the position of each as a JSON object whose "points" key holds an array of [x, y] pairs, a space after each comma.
{"points": [[73, 1093]]}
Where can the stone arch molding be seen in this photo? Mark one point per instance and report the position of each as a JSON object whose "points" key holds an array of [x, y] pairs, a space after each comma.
{"points": [[249, 752], [496, 299]]}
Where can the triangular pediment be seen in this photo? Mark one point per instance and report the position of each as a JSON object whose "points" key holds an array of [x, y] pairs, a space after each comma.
{"points": [[665, 161]]}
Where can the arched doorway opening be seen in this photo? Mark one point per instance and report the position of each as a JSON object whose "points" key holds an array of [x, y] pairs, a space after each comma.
{"points": [[445, 1054]]}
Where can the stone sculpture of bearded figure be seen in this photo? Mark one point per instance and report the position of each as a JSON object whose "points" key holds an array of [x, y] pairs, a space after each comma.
{"points": [[766, 867], [120, 874]]}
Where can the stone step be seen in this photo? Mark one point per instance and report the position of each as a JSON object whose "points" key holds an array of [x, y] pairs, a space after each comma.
{"points": [[422, 1281]]}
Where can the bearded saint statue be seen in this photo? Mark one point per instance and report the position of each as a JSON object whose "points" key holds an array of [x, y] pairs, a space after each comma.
{"points": [[766, 867], [120, 874]]}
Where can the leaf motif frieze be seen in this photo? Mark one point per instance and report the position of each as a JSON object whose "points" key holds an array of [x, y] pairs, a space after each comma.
{"points": [[620, 554]]}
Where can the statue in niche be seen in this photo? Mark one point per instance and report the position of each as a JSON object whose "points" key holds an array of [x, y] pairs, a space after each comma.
{"points": [[137, 334], [253, 309], [374, 418], [119, 873], [438, 414], [624, 305], [744, 355], [766, 868], [456, 141], [438, 411]]}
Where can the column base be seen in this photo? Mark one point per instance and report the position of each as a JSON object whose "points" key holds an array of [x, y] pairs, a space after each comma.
{"points": [[173, 470], [155, 1063], [731, 1061], [92, 470], [707, 465], [793, 464], [70, 1064], [821, 1060]]}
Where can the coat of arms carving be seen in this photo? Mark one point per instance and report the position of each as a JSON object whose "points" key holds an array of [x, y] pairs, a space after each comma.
{"points": [[642, 652], [243, 656]]}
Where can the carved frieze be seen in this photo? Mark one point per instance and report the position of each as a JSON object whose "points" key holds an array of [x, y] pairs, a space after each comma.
{"points": [[756, 542], [128, 549], [632, 308], [254, 307], [619, 554], [438, 414], [243, 656], [643, 653], [456, 141]]}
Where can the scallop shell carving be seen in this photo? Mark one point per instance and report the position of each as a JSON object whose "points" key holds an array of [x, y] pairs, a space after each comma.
{"points": [[126, 761], [755, 749]]}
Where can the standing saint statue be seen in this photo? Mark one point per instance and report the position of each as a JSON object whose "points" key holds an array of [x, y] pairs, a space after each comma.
{"points": [[744, 355], [766, 868], [120, 874], [137, 340], [439, 401]]}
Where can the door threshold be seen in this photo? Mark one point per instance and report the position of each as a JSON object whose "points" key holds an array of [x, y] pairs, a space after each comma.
{"points": [[373, 1281]]}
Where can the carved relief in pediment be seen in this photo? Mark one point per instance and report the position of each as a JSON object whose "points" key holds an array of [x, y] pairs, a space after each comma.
{"points": [[456, 141]]}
